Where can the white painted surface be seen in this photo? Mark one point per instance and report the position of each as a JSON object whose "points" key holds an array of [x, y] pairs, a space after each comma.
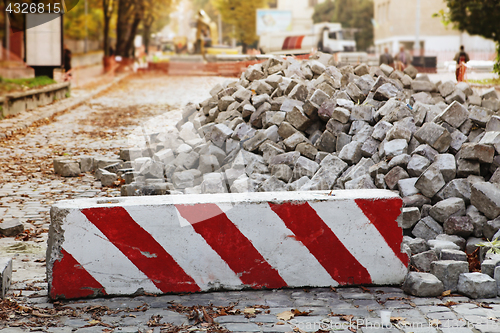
{"points": [[191, 199], [187, 247], [110, 267], [362, 240], [272, 239]]}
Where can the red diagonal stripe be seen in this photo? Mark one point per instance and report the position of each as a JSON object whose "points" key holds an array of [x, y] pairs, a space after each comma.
{"points": [[71, 280], [233, 247], [286, 42], [141, 249], [298, 42], [383, 214], [323, 244]]}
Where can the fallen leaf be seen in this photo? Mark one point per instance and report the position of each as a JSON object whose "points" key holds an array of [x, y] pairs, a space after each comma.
{"points": [[300, 313], [446, 293], [94, 322], [352, 329], [396, 319], [285, 315], [40, 315], [207, 317], [347, 317], [448, 304], [366, 290], [249, 310], [280, 323], [435, 322]]}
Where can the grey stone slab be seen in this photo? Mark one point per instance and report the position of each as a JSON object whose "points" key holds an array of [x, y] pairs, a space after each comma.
{"points": [[277, 328], [92, 329], [242, 327], [232, 319]]}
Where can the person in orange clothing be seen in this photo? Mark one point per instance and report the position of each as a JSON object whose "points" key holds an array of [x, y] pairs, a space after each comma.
{"points": [[461, 58]]}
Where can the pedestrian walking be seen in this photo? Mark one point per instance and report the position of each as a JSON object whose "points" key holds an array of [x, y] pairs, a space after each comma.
{"points": [[386, 58], [461, 58], [403, 58], [67, 63]]}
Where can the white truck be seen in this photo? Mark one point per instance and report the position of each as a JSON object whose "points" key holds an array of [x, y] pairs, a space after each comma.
{"points": [[324, 37]]}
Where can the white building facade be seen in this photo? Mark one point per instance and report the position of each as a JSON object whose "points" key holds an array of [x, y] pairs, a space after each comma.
{"points": [[396, 24], [302, 12]]}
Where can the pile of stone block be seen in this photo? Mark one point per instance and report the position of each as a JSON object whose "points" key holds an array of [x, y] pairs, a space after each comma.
{"points": [[289, 125]]}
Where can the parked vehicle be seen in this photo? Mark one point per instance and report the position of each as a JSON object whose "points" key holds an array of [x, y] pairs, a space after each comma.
{"points": [[325, 37]]}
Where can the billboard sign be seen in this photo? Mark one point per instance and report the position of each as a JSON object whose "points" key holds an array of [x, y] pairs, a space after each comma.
{"points": [[272, 21], [44, 39]]}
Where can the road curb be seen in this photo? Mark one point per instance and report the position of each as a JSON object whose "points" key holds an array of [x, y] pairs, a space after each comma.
{"points": [[190, 243], [10, 126]]}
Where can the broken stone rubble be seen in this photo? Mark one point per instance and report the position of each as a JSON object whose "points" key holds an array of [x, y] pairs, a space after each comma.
{"points": [[335, 127]]}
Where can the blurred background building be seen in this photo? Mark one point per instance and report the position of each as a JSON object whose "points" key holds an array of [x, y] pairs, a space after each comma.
{"points": [[302, 12], [395, 24]]}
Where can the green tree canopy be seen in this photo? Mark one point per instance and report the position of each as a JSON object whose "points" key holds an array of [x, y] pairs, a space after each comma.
{"points": [[133, 15], [477, 17], [75, 21], [356, 14], [242, 15]]}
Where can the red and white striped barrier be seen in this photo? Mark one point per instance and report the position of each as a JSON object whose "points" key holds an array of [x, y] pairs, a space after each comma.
{"points": [[190, 243]]}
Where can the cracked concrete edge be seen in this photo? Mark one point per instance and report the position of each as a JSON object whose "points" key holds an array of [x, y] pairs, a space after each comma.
{"points": [[55, 240], [66, 104], [5, 275]]}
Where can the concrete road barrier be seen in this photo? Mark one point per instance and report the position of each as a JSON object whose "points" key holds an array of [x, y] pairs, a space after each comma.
{"points": [[190, 243]]}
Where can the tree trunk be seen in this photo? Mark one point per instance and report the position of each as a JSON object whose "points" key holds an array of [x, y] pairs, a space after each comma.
{"points": [[123, 27], [107, 17], [145, 36], [129, 45]]}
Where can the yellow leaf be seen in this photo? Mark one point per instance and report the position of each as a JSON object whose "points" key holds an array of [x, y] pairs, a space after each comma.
{"points": [[94, 322], [446, 293], [286, 315], [249, 311]]}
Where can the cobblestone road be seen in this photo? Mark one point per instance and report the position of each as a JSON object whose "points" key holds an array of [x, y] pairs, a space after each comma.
{"points": [[28, 187]]}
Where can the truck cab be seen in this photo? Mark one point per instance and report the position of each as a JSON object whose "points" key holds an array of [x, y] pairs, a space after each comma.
{"points": [[325, 37], [332, 38]]}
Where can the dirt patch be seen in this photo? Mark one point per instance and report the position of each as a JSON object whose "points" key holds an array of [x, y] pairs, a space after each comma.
{"points": [[121, 116]]}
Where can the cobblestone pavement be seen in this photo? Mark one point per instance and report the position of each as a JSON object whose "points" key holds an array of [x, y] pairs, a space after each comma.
{"points": [[28, 186]]}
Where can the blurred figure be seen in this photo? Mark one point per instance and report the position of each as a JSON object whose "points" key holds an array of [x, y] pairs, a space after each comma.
{"points": [[386, 58], [461, 58], [67, 63], [403, 58]]}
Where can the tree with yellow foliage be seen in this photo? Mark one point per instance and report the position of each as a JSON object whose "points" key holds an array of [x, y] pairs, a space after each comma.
{"points": [[131, 13], [154, 11], [242, 15]]}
